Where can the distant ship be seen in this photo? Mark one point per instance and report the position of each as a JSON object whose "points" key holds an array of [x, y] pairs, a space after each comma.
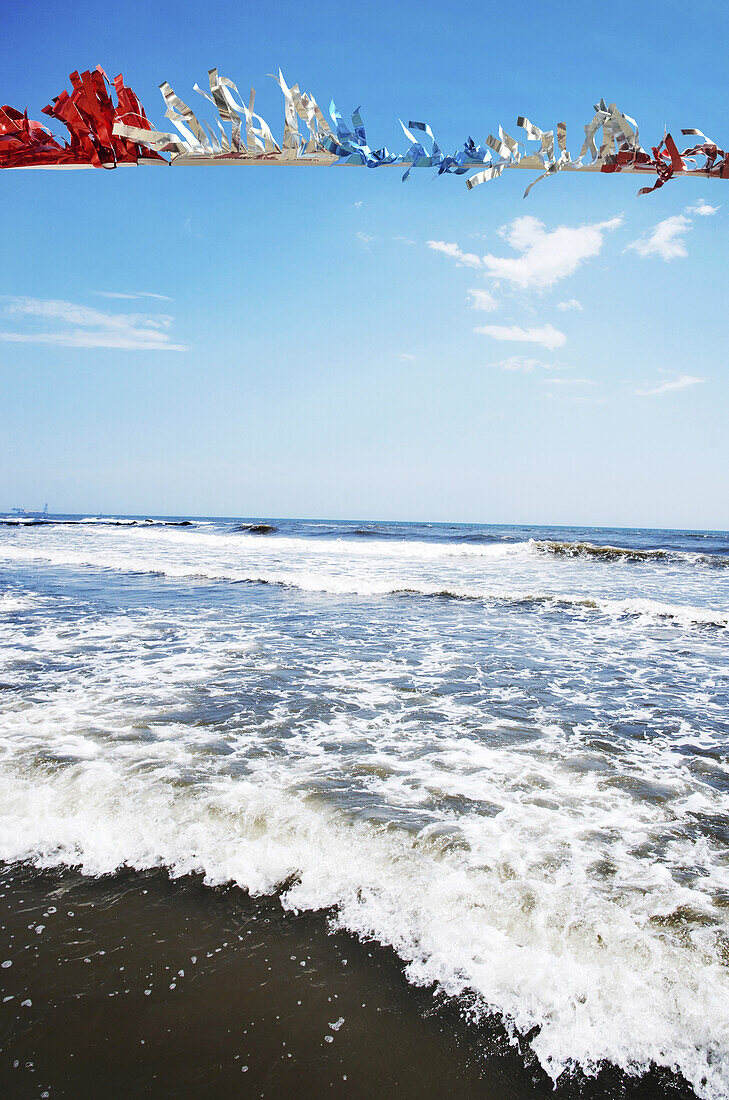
{"points": [[23, 512]]}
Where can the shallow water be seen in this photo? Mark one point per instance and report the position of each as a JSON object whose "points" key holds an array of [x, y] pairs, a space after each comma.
{"points": [[501, 752], [136, 985]]}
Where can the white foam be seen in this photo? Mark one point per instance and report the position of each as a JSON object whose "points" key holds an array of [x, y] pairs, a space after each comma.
{"points": [[543, 949], [11, 602], [684, 614], [376, 571]]}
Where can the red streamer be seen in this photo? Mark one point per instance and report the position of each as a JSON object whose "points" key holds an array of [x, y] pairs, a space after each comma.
{"points": [[667, 161], [88, 114]]}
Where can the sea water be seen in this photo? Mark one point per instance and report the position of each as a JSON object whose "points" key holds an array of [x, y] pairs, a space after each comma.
{"points": [[501, 751]]}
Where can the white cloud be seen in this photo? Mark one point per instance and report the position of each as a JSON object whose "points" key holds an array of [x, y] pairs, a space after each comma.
{"points": [[546, 257], [702, 209], [467, 259], [666, 239], [188, 227], [364, 238], [547, 336], [675, 384], [358, 202], [141, 294], [407, 357], [520, 363], [571, 303], [483, 300], [570, 382], [75, 326]]}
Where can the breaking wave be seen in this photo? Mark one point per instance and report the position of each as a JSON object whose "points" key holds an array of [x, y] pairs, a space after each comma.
{"points": [[588, 979], [591, 552], [318, 580]]}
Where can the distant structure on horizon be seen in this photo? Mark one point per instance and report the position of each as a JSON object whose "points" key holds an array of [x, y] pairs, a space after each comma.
{"points": [[25, 512]]}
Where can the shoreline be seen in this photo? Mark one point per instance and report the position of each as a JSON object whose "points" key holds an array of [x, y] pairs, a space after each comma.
{"points": [[165, 987]]}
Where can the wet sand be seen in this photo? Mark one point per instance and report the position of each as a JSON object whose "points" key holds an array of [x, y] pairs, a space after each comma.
{"points": [[139, 986]]}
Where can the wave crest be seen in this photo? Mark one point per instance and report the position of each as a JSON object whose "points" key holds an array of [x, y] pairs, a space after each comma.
{"points": [[592, 552]]}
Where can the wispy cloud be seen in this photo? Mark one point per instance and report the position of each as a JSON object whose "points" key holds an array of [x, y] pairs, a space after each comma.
{"points": [[667, 239], [364, 238], [463, 259], [521, 364], [570, 382], [702, 209], [407, 357], [680, 383], [547, 336], [546, 256], [67, 324], [188, 227], [140, 294], [571, 303], [358, 203], [483, 300]]}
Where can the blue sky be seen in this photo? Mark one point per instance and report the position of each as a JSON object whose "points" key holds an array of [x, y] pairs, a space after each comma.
{"points": [[336, 343]]}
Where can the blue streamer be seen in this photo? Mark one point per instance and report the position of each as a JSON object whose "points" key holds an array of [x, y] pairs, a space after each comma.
{"points": [[351, 145]]}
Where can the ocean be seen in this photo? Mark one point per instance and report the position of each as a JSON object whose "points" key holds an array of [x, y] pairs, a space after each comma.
{"points": [[362, 809]]}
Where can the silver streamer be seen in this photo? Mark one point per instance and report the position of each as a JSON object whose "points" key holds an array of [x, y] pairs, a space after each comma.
{"points": [[611, 142]]}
